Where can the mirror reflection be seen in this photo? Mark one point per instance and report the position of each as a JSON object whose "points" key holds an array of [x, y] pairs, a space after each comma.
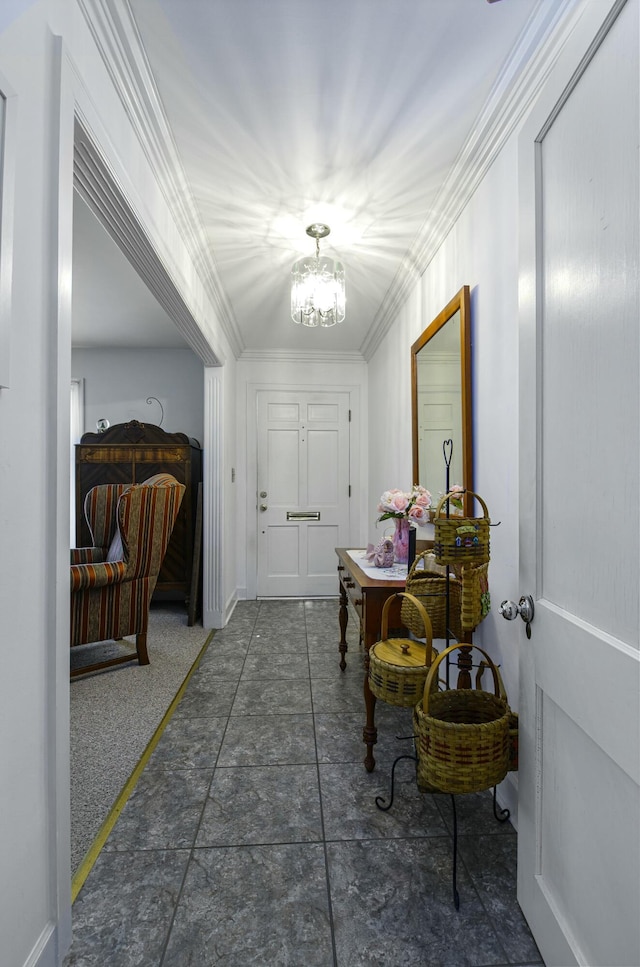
{"points": [[441, 398]]}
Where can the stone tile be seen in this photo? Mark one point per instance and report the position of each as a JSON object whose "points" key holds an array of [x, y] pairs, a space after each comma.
{"points": [[279, 605], [278, 642], [262, 804], [325, 663], [475, 814], [392, 904], [272, 698], [163, 811], [189, 743], [256, 888], [328, 636], [124, 911], [268, 740], [492, 863], [268, 665], [238, 629], [342, 694], [221, 666], [349, 807], [319, 607], [339, 738], [253, 906], [205, 697]]}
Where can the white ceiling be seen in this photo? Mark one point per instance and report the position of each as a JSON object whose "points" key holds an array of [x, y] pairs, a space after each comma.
{"points": [[111, 305], [285, 112]]}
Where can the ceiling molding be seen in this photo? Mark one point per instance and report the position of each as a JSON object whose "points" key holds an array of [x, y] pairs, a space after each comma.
{"points": [[116, 35], [96, 184], [513, 94], [299, 356]]}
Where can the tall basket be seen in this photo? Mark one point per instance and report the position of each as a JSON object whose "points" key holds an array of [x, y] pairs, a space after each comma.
{"points": [[462, 734], [430, 588], [398, 667], [461, 540]]}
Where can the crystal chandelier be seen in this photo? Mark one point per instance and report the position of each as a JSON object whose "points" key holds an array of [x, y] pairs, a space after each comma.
{"points": [[317, 285]]}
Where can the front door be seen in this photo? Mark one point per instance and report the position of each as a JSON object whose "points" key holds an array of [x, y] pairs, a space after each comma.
{"points": [[303, 491], [579, 802]]}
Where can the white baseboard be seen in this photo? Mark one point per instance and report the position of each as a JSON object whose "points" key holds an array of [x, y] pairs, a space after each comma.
{"points": [[44, 953], [219, 619]]}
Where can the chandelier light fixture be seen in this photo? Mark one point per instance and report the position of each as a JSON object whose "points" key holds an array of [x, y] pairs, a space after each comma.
{"points": [[317, 285]]}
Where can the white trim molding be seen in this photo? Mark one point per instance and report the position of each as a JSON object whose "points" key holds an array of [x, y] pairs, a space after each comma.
{"points": [[118, 41], [215, 611], [8, 136]]}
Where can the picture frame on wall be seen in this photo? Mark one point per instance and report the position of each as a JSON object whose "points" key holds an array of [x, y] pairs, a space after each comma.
{"points": [[7, 169]]}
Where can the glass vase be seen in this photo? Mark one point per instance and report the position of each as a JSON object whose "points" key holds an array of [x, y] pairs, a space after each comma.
{"points": [[401, 540]]}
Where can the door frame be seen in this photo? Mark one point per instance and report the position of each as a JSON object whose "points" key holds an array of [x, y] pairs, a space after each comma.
{"points": [[355, 465]]}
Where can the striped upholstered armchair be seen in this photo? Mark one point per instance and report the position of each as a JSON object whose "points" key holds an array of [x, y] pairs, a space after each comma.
{"points": [[112, 581]]}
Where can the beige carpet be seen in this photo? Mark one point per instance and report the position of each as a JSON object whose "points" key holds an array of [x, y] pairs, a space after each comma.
{"points": [[114, 714]]}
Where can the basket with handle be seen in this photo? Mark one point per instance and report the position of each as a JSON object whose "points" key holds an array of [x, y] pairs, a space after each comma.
{"points": [[475, 602], [462, 734], [398, 667], [461, 540], [430, 588], [513, 718]]}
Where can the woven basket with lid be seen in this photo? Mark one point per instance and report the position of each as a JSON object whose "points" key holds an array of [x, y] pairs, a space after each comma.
{"points": [[398, 667]]}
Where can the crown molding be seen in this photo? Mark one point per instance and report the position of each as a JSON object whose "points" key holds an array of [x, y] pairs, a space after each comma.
{"points": [[299, 356], [511, 97], [118, 41]]}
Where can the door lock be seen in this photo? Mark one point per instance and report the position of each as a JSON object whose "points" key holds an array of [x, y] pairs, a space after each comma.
{"points": [[524, 608], [263, 494]]}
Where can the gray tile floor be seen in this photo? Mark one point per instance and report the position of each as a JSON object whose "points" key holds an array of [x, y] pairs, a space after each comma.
{"points": [[253, 836]]}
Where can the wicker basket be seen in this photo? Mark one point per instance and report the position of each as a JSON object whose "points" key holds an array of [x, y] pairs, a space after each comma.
{"points": [[513, 718], [430, 588], [461, 540], [462, 735], [398, 667], [475, 601]]}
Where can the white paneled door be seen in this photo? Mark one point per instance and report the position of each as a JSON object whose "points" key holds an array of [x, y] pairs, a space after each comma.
{"points": [[579, 802], [303, 491]]}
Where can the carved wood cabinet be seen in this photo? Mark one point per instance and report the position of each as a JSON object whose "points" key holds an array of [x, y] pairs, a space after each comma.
{"points": [[130, 453]]}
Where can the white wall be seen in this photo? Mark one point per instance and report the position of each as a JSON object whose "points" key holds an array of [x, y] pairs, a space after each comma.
{"points": [[222, 520], [480, 251], [50, 61], [32, 806], [117, 384]]}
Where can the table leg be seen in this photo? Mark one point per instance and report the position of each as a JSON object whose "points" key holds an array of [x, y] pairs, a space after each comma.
{"points": [[343, 617], [369, 732], [465, 665]]}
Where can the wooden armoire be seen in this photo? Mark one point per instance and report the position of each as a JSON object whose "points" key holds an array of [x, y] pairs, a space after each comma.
{"points": [[130, 453]]}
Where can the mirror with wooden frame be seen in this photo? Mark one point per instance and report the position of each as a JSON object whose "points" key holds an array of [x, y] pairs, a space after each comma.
{"points": [[441, 398]]}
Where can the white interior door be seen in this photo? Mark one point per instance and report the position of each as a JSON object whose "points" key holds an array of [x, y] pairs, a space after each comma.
{"points": [[579, 803], [303, 491], [439, 419]]}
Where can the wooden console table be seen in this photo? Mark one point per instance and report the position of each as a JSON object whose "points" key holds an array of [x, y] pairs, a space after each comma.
{"points": [[367, 596]]}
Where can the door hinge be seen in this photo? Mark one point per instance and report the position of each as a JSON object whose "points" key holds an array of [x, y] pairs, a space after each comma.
{"points": [[349, 489], [349, 416]]}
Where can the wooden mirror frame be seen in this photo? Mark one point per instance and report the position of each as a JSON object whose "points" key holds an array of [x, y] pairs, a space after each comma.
{"points": [[460, 303]]}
